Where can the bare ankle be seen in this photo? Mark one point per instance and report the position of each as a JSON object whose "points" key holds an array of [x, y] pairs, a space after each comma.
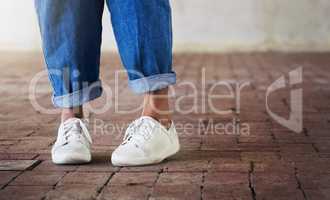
{"points": [[156, 105], [76, 112]]}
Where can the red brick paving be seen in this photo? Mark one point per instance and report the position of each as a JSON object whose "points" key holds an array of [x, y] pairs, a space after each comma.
{"points": [[271, 162]]}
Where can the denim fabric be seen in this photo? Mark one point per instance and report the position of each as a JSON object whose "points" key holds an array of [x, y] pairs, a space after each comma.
{"points": [[71, 31]]}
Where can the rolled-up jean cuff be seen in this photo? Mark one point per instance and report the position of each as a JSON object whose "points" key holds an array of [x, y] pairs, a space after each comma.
{"points": [[152, 83], [80, 97]]}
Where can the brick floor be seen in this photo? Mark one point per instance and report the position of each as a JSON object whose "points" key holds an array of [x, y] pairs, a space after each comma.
{"points": [[219, 159]]}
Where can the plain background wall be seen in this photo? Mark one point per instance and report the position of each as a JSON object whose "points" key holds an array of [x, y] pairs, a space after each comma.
{"points": [[204, 25]]}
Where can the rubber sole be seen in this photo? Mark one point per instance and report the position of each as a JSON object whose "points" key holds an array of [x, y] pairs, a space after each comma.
{"points": [[142, 162], [72, 159]]}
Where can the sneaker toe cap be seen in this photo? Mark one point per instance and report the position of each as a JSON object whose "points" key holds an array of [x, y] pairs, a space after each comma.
{"points": [[71, 154], [126, 155]]}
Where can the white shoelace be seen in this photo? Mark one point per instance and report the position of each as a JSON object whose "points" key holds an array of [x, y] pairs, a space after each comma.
{"points": [[139, 131], [75, 128]]}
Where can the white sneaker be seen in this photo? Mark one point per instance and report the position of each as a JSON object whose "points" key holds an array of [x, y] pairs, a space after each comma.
{"points": [[146, 142], [73, 143]]}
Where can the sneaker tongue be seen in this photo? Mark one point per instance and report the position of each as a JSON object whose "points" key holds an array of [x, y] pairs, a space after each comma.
{"points": [[71, 120], [76, 126], [150, 119], [154, 122]]}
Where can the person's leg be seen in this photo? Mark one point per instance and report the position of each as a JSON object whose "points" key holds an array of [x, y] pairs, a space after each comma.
{"points": [[75, 112], [71, 35], [143, 31], [156, 105]]}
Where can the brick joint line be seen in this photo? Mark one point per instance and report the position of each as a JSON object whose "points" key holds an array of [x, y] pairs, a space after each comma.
{"points": [[299, 183], [251, 183]]}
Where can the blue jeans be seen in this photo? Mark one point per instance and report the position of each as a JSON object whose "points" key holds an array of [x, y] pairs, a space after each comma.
{"points": [[71, 32]]}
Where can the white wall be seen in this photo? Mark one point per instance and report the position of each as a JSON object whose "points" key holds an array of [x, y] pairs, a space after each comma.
{"points": [[214, 25]]}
